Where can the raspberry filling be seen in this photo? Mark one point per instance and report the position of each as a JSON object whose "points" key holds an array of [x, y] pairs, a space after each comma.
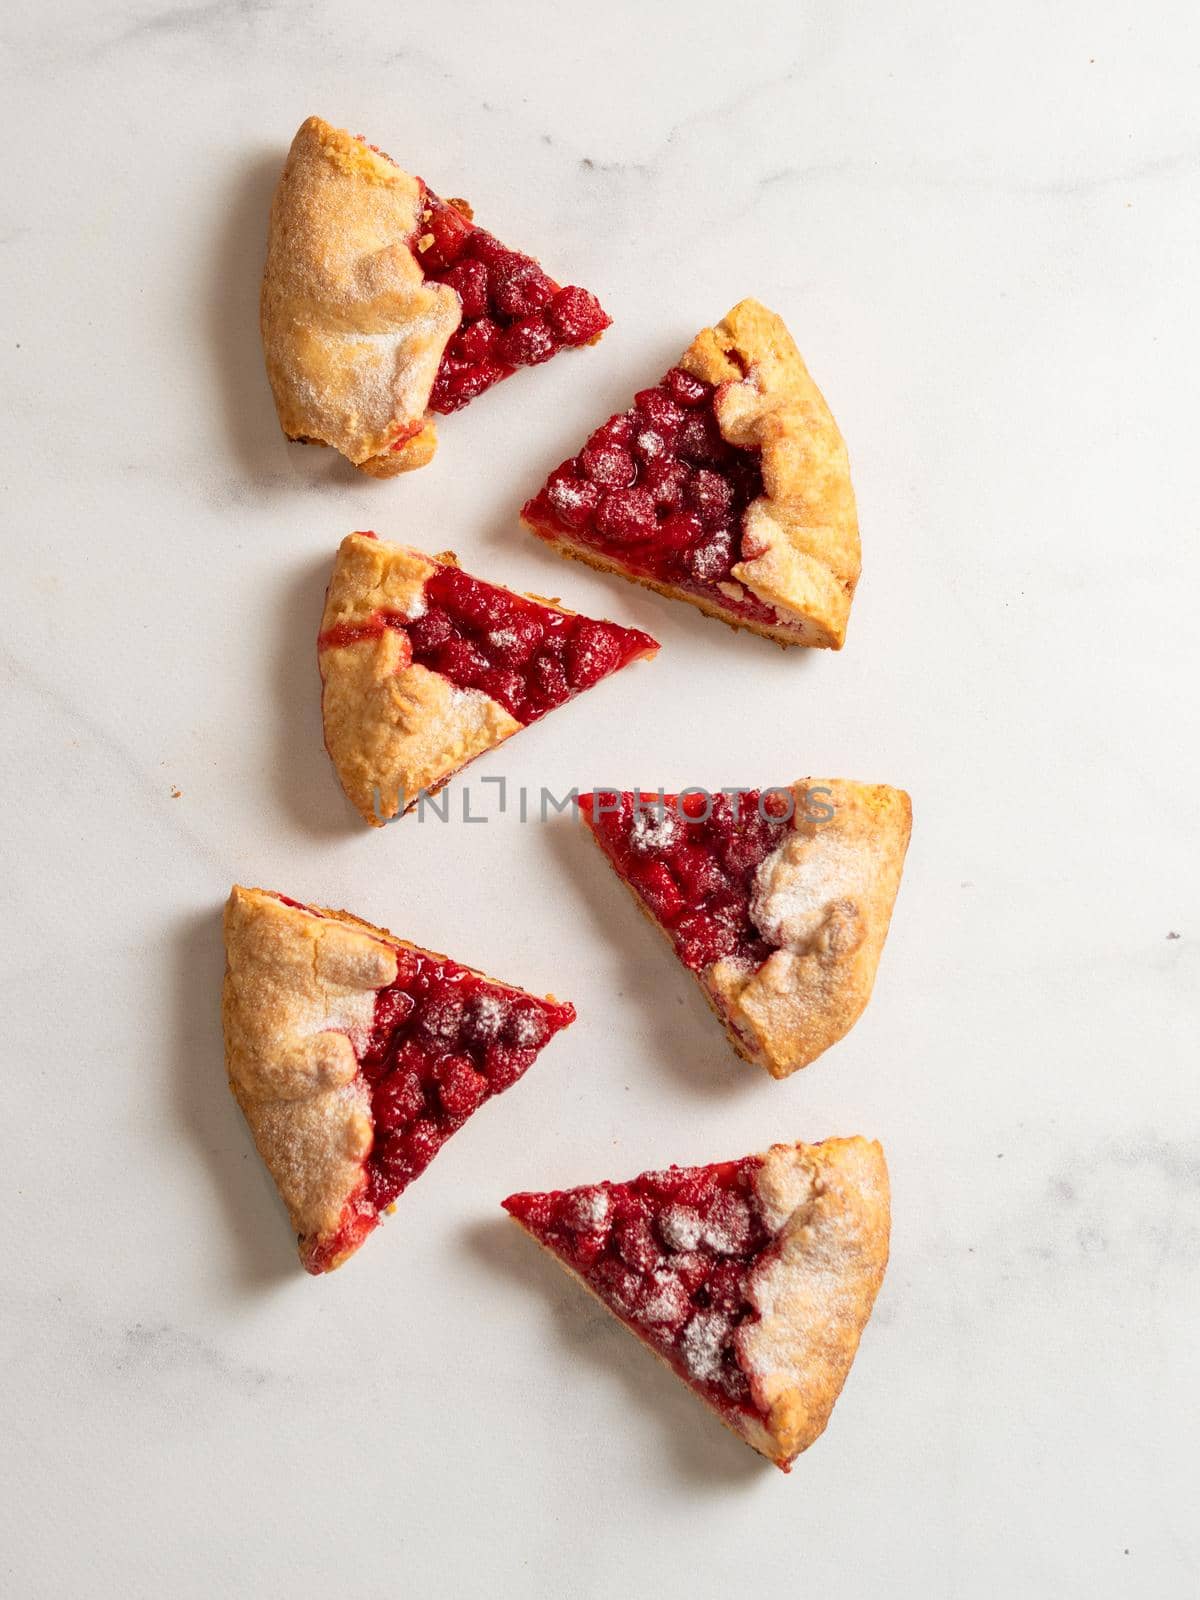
{"points": [[527, 656], [442, 1041], [514, 314], [660, 491], [692, 859], [671, 1254]]}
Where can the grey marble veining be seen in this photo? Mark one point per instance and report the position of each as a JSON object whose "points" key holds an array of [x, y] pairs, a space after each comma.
{"points": [[983, 227]]}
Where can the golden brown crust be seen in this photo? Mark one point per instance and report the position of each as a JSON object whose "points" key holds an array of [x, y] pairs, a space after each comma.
{"points": [[828, 1206], [828, 1209], [299, 991], [352, 332], [418, 451], [297, 1006], [825, 900], [800, 547], [784, 634], [392, 727], [846, 873]]}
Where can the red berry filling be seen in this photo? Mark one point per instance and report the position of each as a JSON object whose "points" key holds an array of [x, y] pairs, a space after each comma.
{"points": [[513, 314], [671, 1253], [527, 656], [659, 489], [692, 860], [443, 1040]]}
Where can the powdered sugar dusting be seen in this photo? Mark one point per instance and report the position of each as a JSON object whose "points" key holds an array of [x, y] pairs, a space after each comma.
{"points": [[488, 1016], [528, 1028], [395, 367], [453, 722], [654, 828], [726, 1229], [795, 884], [704, 1341], [589, 1210], [665, 1302], [568, 498], [681, 1228], [814, 1291]]}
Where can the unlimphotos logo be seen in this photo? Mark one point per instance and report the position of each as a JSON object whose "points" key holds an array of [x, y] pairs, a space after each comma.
{"points": [[777, 804]]}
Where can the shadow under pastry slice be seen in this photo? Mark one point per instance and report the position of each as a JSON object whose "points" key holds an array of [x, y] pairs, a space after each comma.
{"points": [[383, 305], [726, 485], [424, 668], [752, 1279], [356, 1055], [778, 901]]}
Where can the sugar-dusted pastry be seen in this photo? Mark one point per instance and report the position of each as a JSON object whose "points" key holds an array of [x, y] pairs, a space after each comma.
{"points": [[777, 900], [726, 485], [425, 667], [355, 1056], [751, 1279], [383, 305]]}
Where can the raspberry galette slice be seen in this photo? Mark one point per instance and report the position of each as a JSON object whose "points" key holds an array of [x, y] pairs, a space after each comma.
{"points": [[355, 1056], [751, 1279], [727, 485], [383, 304], [425, 667], [777, 900]]}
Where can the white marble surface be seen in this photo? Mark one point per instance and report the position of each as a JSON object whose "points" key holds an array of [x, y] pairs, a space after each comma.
{"points": [[982, 224]]}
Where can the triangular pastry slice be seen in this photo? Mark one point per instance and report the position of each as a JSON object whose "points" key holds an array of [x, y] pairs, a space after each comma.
{"points": [[778, 900], [726, 485], [383, 305], [751, 1279], [355, 1056], [425, 667]]}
